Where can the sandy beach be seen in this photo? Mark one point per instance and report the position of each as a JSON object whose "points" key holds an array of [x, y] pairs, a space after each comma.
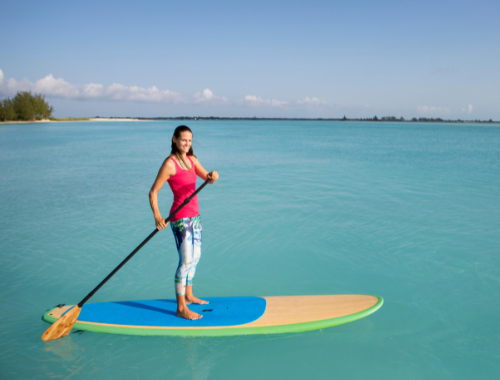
{"points": [[111, 119], [68, 119]]}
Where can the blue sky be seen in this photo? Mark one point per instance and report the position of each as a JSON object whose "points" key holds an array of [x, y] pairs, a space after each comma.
{"points": [[259, 58]]}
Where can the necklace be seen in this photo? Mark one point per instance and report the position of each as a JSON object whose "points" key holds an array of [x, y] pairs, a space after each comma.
{"points": [[181, 162]]}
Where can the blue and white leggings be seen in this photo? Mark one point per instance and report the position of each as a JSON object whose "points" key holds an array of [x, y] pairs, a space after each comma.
{"points": [[187, 233]]}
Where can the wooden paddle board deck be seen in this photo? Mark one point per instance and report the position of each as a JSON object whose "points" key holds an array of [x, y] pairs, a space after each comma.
{"points": [[223, 316]]}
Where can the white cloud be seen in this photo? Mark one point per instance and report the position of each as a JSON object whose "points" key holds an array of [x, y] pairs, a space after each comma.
{"points": [[468, 109], [207, 96], [48, 86], [430, 110], [59, 88], [253, 100], [312, 101]]}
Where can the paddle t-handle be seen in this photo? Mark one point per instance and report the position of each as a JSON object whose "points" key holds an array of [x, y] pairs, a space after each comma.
{"points": [[63, 325]]}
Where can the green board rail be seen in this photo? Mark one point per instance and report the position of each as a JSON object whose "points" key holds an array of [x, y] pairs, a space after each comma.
{"points": [[219, 331]]}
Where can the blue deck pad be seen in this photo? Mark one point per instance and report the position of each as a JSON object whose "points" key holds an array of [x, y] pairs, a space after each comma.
{"points": [[221, 311]]}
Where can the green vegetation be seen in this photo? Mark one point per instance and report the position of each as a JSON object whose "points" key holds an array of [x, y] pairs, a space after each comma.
{"points": [[25, 106], [392, 118], [432, 120], [70, 119]]}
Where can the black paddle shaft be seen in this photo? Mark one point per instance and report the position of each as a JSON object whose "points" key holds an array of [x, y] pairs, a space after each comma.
{"points": [[186, 201]]}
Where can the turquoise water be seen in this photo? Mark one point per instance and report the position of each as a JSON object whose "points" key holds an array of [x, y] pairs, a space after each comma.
{"points": [[410, 212]]}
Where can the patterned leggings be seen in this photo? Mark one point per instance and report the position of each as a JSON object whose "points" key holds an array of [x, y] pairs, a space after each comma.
{"points": [[187, 233]]}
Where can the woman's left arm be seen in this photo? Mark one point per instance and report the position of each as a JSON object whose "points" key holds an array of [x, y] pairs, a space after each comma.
{"points": [[202, 172]]}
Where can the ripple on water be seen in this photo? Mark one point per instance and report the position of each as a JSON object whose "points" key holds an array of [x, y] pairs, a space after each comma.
{"points": [[408, 212]]}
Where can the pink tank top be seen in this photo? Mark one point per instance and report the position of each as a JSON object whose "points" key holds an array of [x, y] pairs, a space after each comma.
{"points": [[183, 184]]}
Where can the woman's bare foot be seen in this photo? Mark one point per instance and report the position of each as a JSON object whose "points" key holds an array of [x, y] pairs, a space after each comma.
{"points": [[188, 314], [197, 301], [183, 311]]}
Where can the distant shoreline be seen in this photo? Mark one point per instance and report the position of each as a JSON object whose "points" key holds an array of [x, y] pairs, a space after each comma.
{"points": [[420, 120], [113, 119], [217, 118], [72, 119]]}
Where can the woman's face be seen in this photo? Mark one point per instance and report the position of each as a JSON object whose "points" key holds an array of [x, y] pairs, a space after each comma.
{"points": [[184, 141]]}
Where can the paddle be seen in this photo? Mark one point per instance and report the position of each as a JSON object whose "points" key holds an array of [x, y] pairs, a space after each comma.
{"points": [[63, 325]]}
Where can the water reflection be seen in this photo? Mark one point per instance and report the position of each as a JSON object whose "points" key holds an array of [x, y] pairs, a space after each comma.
{"points": [[67, 354]]}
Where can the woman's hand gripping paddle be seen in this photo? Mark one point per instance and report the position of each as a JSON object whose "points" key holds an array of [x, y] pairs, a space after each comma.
{"points": [[63, 325]]}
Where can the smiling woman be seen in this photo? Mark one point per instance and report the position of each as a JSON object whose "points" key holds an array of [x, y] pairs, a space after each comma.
{"points": [[180, 170]]}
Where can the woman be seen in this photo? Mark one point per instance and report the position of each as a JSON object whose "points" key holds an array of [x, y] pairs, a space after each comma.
{"points": [[180, 170]]}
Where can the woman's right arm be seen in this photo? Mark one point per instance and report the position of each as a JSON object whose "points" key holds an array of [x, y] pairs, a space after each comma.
{"points": [[166, 171]]}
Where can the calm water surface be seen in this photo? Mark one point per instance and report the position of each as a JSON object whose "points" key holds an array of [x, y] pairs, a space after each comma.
{"points": [[410, 212]]}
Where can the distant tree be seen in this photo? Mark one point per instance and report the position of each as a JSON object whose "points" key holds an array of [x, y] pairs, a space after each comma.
{"points": [[7, 111], [389, 118], [24, 105], [42, 108], [414, 119], [490, 121], [344, 118], [402, 118], [375, 118], [425, 119], [31, 107]]}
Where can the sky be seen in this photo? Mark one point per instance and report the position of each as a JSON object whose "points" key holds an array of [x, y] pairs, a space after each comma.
{"points": [[314, 59]]}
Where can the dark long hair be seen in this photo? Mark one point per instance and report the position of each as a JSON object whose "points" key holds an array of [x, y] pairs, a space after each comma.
{"points": [[175, 151]]}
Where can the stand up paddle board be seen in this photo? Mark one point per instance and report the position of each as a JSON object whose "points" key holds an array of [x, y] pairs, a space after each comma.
{"points": [[223, 316]]}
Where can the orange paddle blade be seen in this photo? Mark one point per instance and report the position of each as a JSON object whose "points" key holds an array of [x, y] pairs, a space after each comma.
{"points": [[63, 325]]}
